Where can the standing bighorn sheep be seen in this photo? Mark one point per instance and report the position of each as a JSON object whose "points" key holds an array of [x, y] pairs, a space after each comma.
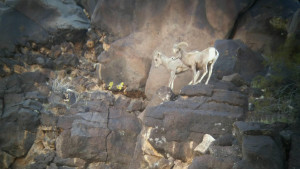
{"points": [[173, 64], [197, 60]]}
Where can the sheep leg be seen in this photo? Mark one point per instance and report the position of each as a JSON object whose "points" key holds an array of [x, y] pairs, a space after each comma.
{"points": [[204, 73], [197, 76], [171, 79], [210, 72], [194, 75]]}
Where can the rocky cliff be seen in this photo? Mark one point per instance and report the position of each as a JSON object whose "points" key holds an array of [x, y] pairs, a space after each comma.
{"points": [[78, 88]]}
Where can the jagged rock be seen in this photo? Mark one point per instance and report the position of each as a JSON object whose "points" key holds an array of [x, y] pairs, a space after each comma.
{"points": [[196, 90], [64, 20], [294, 153], [135, 105], [6, 160]]}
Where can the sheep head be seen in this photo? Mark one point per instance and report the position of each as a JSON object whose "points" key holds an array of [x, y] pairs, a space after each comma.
{"points": [[177, 47], [157, 58]]}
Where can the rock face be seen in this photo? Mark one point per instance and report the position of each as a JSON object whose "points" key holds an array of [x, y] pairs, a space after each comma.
{"points": [[40, 21], [59, 110], [263, 31], [156, 25], [142, 27]]}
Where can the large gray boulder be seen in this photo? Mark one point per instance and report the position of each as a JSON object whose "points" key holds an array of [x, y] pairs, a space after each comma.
{"points": [[40, 21], [236, 57]]}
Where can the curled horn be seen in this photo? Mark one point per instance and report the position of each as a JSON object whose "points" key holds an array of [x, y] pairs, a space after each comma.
{"points": [[181, 44]]}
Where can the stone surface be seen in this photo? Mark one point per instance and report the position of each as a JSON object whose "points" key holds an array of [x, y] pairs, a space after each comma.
{"points": [[37, 20], [55, 112], [207, 162], [294, 153], [262, 152], [257, 28], [236, 57], [204, 145], [255, 128], [196, 90], [173, 21]]}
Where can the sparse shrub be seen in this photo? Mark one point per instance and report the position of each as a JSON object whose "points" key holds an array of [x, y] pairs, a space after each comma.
{"points": [[281, 86]]}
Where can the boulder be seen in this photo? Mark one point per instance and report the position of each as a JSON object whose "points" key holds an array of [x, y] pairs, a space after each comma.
{"points": [[38, 20], [262, 152], [236, 57], [204, 145]]}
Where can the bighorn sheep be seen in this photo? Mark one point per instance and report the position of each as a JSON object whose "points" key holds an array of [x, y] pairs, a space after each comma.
{"points": [[173, 64], [197, 60]]}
